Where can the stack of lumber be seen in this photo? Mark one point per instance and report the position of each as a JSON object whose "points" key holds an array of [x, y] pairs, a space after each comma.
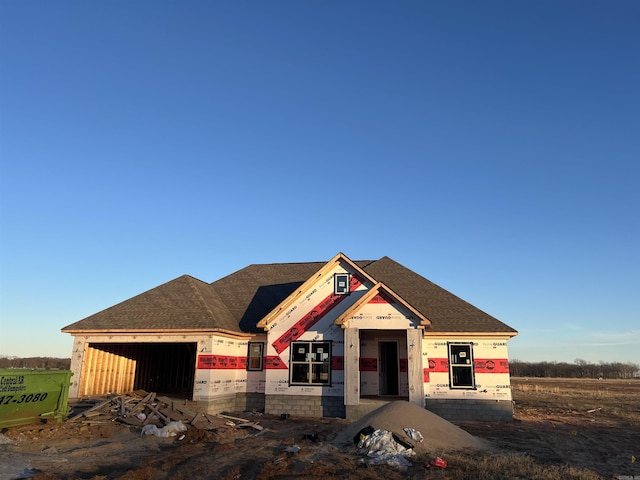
{"points": [[141, 408]]}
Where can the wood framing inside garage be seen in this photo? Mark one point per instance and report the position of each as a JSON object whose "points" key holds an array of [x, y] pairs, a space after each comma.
{"points": [[123, 367]]}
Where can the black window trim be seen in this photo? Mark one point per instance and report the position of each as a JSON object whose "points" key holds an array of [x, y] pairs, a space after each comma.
{"points": [[336, 277], [469, 365], [310, 363]]}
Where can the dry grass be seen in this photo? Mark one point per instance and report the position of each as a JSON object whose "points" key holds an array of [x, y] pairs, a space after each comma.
{"points": [[461, 466], [563, 429], [617, 400], [508, 466], [566, 428]]}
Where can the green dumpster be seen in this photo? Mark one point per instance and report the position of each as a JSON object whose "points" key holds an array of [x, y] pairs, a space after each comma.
{"points": [[31, 396]]}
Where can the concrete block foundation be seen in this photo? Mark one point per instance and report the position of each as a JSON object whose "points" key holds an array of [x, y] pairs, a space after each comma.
{"points": [[249, 402], [239, 402], [304, 406], [318, 407]]}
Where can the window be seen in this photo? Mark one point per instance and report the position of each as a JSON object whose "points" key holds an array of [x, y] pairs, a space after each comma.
{"points": [[461, 365], [310, 363], [341, 284], [254, 356]]}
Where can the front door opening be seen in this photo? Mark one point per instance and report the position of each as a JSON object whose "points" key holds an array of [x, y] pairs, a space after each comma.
{"points": [[388, 368]]}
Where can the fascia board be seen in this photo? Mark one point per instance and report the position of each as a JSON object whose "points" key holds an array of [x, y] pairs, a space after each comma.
{"points": [[360, 271], [161, 332], [380, 287], [287, 302], [470, 334]]}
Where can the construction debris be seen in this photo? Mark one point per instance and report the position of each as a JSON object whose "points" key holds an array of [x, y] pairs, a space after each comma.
{"points": [[141, 408], [172, 429]]}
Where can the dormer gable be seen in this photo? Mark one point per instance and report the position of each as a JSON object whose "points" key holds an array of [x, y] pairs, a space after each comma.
{"points": [[380, 292], [340, 259]]}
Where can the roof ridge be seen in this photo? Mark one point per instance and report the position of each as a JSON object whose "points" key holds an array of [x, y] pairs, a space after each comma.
{"points": [[303, 263], [284, 263]]}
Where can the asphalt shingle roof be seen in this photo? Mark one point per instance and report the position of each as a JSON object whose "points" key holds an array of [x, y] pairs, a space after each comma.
{"points": [[446, 311], [182, 303], [238, 301]]}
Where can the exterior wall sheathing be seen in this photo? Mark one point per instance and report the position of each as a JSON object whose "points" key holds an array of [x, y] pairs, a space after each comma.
{"points": [[490, 399], [221, 381]]}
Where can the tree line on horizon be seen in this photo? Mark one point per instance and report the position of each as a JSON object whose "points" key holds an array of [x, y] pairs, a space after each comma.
{"points": [[579, 369], [35, 362]]}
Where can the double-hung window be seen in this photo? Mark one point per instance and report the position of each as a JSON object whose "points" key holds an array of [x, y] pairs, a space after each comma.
{"points": [[461, 365], [310, 363]]}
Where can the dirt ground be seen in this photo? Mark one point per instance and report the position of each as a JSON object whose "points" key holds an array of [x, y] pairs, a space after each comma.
{"points": [[563, 428], [593, 424]]}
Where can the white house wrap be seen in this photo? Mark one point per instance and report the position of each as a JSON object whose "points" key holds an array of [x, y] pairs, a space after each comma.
{"points": [[305, 339]]}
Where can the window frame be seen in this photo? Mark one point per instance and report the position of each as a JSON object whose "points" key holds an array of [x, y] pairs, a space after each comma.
{"points": [[461, 365], [309, 348], [260, 357], [337, 277]]}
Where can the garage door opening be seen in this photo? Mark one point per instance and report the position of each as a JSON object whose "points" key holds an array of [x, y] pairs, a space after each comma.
{"points": [[164, 368]]}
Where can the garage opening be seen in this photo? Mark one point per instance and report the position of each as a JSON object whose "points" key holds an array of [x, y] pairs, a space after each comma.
{"points": [[164, 368]]}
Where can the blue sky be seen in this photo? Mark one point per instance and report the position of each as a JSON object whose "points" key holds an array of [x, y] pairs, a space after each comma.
{"points": [[493, 147]]}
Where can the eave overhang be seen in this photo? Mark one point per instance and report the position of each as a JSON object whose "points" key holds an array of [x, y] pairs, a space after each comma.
{"points": [[470, 334], [160, 332]]}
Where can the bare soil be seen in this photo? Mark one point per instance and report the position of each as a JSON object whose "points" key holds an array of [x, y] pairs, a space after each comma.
{"points": [[593, 424], [563, 428]]}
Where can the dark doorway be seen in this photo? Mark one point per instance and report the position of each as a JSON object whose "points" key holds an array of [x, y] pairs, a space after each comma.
{"points": [[166, 368], [388, 368]]}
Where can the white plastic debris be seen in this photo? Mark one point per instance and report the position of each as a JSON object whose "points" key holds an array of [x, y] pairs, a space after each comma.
{"points": [[293, 449], [413, 434], [170, 430], [150, 430], [381, 448], [382, 441]]}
